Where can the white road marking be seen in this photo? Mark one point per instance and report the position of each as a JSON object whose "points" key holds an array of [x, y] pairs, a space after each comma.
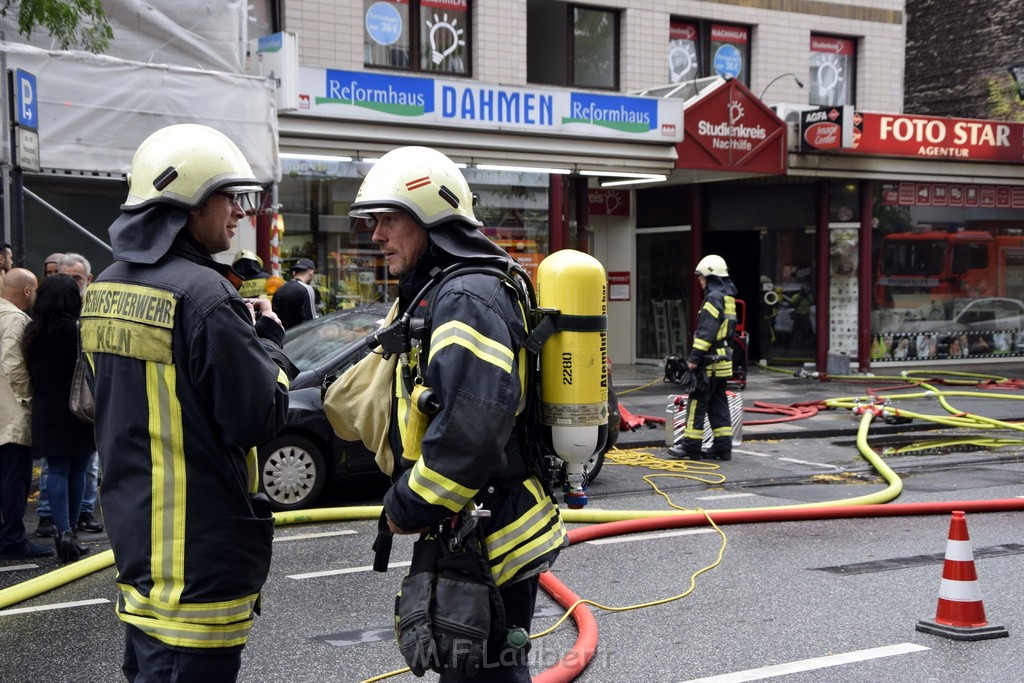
{"points": [[350, 570], [726, 495], [760, 455], [302, 537], [813, 464], [56, 605], [812, 664], [649, 537], [17, 567]]}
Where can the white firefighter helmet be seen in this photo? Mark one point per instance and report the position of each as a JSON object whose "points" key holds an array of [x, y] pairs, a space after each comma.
{"points": [[183, 164], [712, 265], [247, 254], [419, 180]]}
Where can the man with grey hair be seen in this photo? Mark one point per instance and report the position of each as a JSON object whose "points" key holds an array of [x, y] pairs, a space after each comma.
{"points": [[79, 268]]}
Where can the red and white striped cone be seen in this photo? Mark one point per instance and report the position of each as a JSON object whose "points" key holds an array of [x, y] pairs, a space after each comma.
{"points": [[960, 614]]}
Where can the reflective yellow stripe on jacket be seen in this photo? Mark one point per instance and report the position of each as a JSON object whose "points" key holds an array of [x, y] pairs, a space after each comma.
{"points": [[527, 538]]}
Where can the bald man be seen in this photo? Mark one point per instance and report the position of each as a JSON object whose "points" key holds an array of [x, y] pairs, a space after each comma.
{"points": [[15, 413]]}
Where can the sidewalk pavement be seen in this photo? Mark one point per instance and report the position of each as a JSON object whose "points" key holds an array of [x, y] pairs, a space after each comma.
{"points": [[642, 391]]}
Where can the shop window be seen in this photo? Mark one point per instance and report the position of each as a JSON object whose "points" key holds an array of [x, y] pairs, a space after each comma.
{"points": [[946, 278], [592, 36], [316, 196], [698, 48], [832, 70], [419, 35]]}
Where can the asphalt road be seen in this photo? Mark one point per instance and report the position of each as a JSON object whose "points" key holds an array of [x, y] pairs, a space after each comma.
{"points": [[827, 600]]}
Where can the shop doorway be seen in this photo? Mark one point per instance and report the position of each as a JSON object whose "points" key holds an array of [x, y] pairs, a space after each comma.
{"points": [[787, 303], [741, 250], [774, 274]]}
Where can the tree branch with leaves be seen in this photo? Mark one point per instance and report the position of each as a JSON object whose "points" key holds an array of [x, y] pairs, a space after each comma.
{"points": [[72, 23]]}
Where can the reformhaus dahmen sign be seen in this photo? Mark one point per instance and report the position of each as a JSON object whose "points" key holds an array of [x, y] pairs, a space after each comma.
{"points": [[363, 96]]}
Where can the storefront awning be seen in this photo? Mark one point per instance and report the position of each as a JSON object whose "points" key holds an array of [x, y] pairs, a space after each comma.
{"points": [[361, 140]]}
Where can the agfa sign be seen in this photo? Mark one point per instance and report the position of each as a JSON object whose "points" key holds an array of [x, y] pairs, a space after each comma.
{"points": [[826, 128]]}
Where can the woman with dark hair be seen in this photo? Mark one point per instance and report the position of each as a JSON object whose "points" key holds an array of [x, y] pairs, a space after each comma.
{"points": [[51, 349]]}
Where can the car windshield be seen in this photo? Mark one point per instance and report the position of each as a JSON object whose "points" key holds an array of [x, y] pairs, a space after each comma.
{"points": [[310, 344]]}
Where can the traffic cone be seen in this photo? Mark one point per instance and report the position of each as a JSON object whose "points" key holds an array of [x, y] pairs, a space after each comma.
{"points": [[960, 614]]}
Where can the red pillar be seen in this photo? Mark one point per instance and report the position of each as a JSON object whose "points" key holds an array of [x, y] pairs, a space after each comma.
{"points": [[557, 213], [263, 220]]}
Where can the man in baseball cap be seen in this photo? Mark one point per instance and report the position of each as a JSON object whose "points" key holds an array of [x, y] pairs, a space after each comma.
{"points": [[295, 301]]}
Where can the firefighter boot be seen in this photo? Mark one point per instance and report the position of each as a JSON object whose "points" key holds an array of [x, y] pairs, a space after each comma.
{"points": [[688, 450], [721, 449]]}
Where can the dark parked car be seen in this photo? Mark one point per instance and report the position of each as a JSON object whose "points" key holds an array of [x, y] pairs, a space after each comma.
{"points": [[306, 455]]}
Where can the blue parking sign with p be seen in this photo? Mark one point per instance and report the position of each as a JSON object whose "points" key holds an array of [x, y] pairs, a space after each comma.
{"points": [[26, 109]]}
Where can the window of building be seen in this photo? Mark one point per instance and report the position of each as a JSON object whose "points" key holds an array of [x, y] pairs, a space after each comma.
{"points": [[592, 34], [418, 35], [698, 48], [264, 18], [833, 70]]}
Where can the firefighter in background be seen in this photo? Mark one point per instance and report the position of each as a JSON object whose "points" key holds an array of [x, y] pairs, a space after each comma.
{"points": [[250, 267], [421, 211], [803, 331], [186, 381], [711, 357]]}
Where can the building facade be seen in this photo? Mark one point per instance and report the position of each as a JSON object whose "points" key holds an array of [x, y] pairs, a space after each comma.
{"points": [[647, 133], [647, 237]]}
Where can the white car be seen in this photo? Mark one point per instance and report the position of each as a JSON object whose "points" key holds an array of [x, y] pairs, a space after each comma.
{"points": [[991, 314]]}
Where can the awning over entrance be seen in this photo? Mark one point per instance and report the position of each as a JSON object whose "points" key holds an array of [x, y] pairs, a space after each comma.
{"points": [[362, 140]]}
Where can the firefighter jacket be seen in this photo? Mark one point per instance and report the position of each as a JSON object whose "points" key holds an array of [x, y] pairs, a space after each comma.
{"points": [[716, 324], [470, 451], [184, 389], [254, 277]]}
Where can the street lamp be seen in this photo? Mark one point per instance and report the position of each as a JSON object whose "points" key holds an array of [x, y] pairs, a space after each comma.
{"points": [[798, 82]]}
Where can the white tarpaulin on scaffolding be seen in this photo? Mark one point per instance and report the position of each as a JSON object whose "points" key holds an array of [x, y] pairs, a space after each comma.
{"points": [[205, 34], [94, 110]]}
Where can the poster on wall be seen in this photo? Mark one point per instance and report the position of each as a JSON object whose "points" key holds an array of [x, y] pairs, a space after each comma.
{"points": [[618, 286], [682, 52], [728, 47], [831, 70]]}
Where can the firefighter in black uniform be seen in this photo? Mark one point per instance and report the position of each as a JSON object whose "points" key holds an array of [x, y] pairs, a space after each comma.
{"points": [[711, 355], [469, 463], [250, 267], [186, 382]]}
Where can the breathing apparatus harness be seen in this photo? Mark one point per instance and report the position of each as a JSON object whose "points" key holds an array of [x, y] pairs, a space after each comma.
{"points": [[449, 613]]}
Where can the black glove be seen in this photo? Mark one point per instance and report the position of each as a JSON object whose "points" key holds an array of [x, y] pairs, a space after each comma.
{"points": [[462, 614], [413, 626]]}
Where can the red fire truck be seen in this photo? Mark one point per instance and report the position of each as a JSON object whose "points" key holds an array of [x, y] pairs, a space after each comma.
{"points": [[920, 268]]}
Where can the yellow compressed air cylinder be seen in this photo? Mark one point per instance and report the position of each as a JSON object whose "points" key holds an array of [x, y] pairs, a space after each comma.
{"points": [[574, 368]]}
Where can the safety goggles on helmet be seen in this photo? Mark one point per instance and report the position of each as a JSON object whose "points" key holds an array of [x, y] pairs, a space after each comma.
{"points": [[184, 164], [421, 181]]}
